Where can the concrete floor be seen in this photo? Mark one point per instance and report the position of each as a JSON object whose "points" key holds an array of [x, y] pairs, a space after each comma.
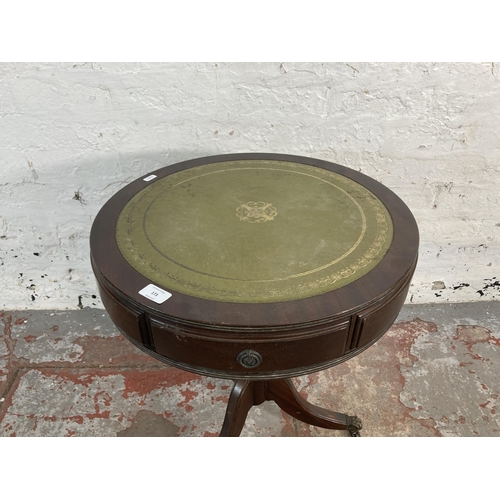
{"points": [[70, 373]]}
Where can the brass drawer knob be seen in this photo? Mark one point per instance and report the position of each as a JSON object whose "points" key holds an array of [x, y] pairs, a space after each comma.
{"points": [[249, 358]]}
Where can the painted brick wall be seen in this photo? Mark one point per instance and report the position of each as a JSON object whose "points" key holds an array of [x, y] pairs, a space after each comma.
{"points": [[71, 135]]}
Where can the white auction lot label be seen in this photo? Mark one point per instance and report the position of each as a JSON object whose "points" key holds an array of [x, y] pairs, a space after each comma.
{"points": [[155, 294]]}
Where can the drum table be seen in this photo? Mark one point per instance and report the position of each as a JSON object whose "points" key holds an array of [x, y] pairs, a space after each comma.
{"points": [[255, 268]]}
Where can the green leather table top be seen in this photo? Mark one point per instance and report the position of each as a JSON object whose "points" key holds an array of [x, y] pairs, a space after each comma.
{"points": [[253, 231]]}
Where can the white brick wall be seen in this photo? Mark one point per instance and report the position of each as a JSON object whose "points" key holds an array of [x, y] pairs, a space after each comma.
{"points": [[72, 134]]}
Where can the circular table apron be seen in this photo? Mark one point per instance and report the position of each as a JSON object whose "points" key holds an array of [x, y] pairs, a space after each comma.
{"points": [[254, 266]]}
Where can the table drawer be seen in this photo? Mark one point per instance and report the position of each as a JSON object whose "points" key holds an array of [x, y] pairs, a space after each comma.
{"points": [[127, 321], [235, 354], [374, 322]]}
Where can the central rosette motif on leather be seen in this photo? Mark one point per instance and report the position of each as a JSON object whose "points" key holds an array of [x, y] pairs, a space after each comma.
{"points": [[256, 211]]}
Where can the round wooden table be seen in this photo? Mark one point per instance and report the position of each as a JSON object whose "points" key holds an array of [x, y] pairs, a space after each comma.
{"points": [[255, 268]]}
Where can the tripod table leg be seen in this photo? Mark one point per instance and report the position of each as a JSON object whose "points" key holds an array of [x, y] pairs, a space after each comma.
{"points": [[247, 393], [284, 394], [240, 402]]}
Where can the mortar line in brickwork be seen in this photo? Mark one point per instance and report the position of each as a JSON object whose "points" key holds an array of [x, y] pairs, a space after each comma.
{"points": [[9, 384], [11, 378]]}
